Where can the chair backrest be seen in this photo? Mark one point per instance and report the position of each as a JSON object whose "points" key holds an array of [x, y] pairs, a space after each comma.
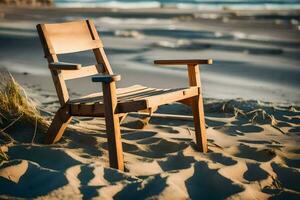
{"points": [[71, 37]]}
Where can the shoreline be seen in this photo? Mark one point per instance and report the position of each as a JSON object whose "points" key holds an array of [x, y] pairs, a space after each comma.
{"points": [[132, 6], [254, 59], [160, 10]]}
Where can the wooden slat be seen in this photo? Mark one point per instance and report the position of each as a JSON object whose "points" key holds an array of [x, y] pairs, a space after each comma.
{"points": [[82, 72], [135, 98], [98, 97], [93, 110], [142, 94], [132, 106], [172, 96], [71, 37], [63, 48], [124, 94], [106, 78], [64, 66], [155, 100], [185, 62]]}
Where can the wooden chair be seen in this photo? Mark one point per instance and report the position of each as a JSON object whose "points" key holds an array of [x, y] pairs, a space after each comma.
{"points": [[113, 104]]}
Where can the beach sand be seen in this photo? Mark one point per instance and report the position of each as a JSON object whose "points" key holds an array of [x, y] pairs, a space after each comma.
{"points": [[251, 108]]}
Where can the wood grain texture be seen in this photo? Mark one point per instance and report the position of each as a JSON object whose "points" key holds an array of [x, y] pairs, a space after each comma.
{"points": [[64, 66], [132, 99], [113, 126], [58, 125], [70, 37]]}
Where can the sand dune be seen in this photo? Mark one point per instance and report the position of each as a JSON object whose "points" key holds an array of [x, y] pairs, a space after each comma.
{"points": [[253, 154]]}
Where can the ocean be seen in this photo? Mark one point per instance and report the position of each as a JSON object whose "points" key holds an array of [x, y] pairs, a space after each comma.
{"points": [[184, 4]]}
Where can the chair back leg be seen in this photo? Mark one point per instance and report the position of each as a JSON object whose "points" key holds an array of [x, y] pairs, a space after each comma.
{"points": [[199, 123], [197, 108], [58, 126]]}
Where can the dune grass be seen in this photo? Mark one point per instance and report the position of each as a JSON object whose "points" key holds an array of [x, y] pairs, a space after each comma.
{"points": [[15, 106], [14, 103]]}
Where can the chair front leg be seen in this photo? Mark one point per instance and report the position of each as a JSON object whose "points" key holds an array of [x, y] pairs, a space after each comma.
{"points": [[113, 126], [58, 125]]}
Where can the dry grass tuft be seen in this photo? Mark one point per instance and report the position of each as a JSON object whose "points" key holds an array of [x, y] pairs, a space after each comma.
{"points": [[15, 106]]}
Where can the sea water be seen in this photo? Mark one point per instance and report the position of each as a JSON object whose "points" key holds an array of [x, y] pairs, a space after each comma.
{"points": [[184, 4]]}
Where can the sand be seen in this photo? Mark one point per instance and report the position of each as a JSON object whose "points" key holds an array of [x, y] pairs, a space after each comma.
{"points": [[253, 138]]}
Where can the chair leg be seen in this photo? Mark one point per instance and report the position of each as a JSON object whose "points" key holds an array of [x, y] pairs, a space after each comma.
{"points": [[114, 142], [113, 127], [199, 123], [58, 126]]}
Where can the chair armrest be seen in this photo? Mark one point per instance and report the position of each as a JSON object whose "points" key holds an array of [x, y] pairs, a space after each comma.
{"points": [[184, 62], [64, 66], [106, 78]]}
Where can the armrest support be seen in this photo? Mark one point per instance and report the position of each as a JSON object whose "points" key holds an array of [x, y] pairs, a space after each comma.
{"points": [[192, 65], [106, 78], [184, 62], [64, 66]]}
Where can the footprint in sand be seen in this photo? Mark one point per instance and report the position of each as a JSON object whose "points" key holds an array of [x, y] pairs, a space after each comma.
{"points": [[86, 174], [241, 130], [264, 155], [160, 149], [91, 178], [55, 159], [214, 123], [167, 129], [220, 158], [36, 181], [146, 189], [177, 162], [288, 179], [255, 173], [206, 179], [292, 162], [149, 140]]}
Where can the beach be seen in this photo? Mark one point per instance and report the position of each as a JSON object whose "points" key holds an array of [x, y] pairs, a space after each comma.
{"points": [[251, 95]]}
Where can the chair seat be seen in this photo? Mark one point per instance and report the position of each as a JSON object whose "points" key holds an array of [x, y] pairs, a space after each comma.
{"points": [[131, 99]]}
